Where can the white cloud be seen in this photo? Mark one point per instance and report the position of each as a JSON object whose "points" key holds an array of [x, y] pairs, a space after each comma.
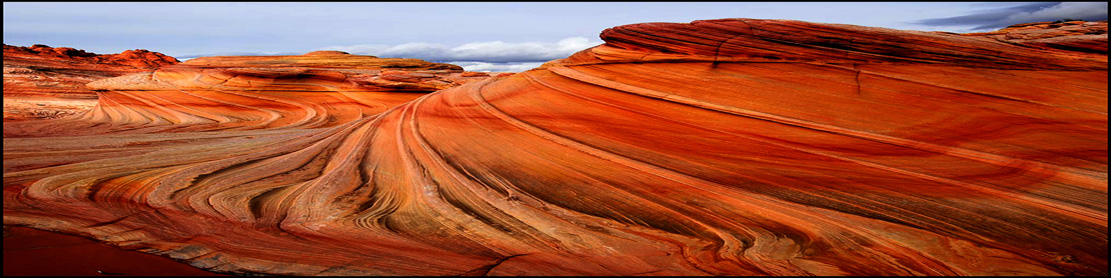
{"points": [[496, 67], [489, 52]]}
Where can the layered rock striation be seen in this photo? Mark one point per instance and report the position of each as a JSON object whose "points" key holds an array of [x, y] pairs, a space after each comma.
{"points": [[61, 59], [716, 147], [318, 89], [1082, 36], [41, 70], [46, 82]]}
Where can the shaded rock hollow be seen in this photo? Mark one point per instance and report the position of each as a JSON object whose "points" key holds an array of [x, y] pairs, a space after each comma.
{"points": [[716, 147]]}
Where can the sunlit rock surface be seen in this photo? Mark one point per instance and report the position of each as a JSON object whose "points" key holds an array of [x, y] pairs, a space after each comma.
{"points": [[718, 147], [318, 89], [49, 82], [1073, 35]]}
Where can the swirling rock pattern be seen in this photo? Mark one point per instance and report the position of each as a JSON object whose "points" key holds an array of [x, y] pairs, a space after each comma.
{"points": [[717, 147], [315, 90], [46, 82]]}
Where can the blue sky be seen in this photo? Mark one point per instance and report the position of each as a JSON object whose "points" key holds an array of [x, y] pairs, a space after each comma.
{"points": [[484, 35]]}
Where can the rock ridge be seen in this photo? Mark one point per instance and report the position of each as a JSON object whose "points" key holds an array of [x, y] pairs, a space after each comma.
{"points": [[137, 58], [757, 40]]}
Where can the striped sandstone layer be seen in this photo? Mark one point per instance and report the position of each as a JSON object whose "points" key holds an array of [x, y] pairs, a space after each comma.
{"points": [[49, 82], [717, 147], [318, 89]]}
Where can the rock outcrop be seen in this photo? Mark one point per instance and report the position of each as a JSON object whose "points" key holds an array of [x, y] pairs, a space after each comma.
{"points": [[47, 82], [77, 59], [1080, 36], [318, 89], [716, 147]]}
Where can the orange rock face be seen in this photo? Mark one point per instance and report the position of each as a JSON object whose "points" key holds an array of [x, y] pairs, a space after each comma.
{"points": [[43, 70], [318, 89], [718, 147], [1074, 35], [46, 82], [75, 59]]}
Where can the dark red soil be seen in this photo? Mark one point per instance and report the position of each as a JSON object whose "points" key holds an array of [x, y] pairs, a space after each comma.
{"points": [[31, 252]]}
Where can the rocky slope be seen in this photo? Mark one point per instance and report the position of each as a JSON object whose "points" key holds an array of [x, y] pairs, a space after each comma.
{"points": [[318, 89], [1079, 36], [76, 61], [716, 147], [47, 82]]}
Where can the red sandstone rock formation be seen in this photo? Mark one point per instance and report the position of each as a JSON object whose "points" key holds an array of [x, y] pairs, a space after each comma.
{"points": [[720, 147], [45, 82], [46, 56], [318, 89], [1074, 35]]}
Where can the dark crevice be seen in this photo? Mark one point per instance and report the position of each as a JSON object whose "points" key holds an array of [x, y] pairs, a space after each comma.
{"points": [[857, 79], [255, 203], [110, 222], [484, 270], [646, 272], [717, 50]]}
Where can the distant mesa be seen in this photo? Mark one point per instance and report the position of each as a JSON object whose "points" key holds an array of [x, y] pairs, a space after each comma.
{"points": [[319, 59], [475, 73], [327, 52]]}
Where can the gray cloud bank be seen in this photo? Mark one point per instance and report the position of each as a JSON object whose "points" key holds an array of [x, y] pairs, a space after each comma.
{"points": [[491, 56], [487, 52], [496, 67], [1032, 12]]}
